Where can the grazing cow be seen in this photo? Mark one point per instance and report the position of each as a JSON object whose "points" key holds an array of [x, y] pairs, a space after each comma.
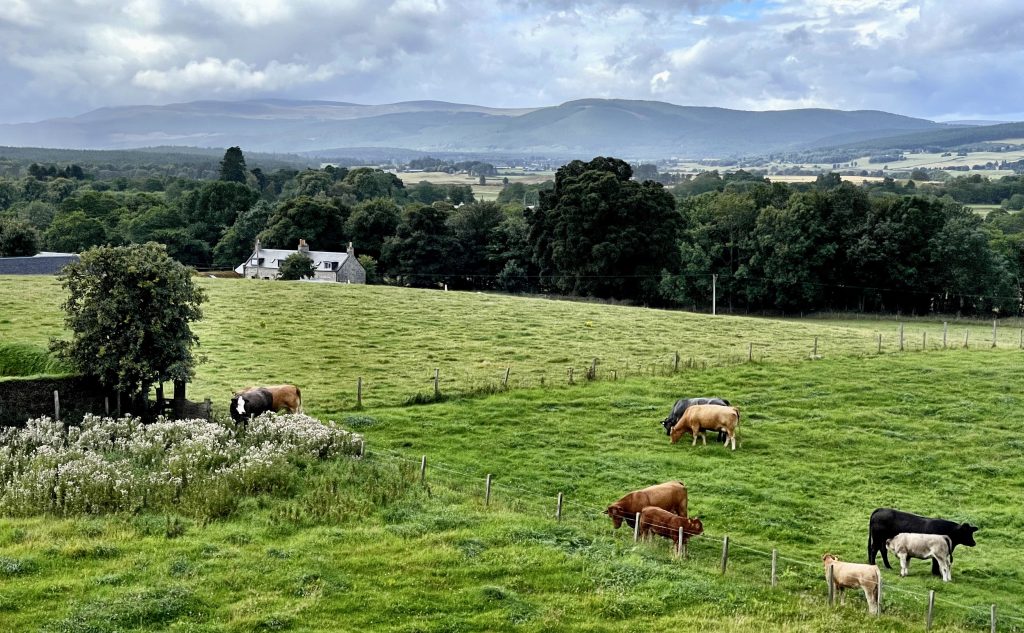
{"points": [[664, 523], [853, 575], [886, 523], [250, 403], [707, 416], [680, 407], [253, 401], [937, 547], [669, 496]]}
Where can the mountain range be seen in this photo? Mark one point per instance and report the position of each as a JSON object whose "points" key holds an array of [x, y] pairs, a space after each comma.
{"points": [[583, 128]]}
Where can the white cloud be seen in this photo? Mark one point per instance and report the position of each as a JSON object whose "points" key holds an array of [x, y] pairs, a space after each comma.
{"points": [[918, 57]]}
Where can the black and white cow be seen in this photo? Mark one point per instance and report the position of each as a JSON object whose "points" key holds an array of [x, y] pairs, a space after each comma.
{"points": [[250, 403], [680, 407], [886, 523]]}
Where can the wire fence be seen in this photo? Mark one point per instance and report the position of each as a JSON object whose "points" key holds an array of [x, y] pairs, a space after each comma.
{"points": [[454, 382], [563, 509]]}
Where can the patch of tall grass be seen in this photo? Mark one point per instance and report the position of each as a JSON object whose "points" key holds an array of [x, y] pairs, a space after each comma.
{"points": [[26, 359]]}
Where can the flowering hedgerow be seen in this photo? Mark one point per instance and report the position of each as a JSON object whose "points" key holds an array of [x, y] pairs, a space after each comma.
{"points": [[120, 464]]}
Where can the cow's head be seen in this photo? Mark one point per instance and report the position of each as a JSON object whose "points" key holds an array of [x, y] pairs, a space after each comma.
{"points": [[615, 512], [964, 535], [828, 559], [240, 405], [694, 526], [668, 424]]}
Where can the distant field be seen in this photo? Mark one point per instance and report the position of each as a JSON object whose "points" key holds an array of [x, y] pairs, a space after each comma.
{"points": [[489, 191]]}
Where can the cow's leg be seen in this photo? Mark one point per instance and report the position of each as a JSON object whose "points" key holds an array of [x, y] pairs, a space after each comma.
{"points": [[904, 564], [872, 598], [935, 568], [704, 438], [842, 595], [732, 436]]}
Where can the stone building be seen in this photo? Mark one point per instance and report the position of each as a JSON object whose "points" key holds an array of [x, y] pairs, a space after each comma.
{"points": [[264, 263]]}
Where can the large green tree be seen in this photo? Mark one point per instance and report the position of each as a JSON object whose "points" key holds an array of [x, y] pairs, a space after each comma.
{"points": [[600, 233], [320, 221], [74, 232], [232, 167], [297, 266], [418, 254], [129, 309], [239, 240], [17, 238], [371, 223]]}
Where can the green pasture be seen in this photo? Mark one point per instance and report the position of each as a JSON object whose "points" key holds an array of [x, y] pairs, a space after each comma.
{"points": [[361, 546], [325, 337]]}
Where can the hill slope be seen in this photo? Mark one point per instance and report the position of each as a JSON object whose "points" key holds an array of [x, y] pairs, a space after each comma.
{"points": [[578, 128]]}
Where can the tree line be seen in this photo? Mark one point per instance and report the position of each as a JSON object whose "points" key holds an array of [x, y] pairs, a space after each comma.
{"points": [[596, 230]]}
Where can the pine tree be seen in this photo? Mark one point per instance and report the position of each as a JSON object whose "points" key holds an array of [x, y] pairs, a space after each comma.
{"points": [[232, 168]]}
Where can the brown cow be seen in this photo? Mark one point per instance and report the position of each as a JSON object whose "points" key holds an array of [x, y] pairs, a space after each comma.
{"points": [[853, 575], [669, 496], [712, 417], [664, 523]]}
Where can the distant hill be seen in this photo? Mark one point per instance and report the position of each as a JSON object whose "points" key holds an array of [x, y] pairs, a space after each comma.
{"points": [[588, 127], [938, 139]]}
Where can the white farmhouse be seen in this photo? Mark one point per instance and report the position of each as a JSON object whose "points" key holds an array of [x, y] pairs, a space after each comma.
{"points": [[264, 263]]}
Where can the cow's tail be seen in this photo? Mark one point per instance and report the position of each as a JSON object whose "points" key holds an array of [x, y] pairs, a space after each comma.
{"points": [[871, 549], [878, 591], [298, 394]]}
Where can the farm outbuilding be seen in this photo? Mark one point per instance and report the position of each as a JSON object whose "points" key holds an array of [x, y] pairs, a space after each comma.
{"points": [[265, 263], [39, 264]]}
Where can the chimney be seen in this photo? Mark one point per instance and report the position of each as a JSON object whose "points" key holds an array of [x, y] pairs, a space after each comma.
{"points": [[351, 253], [257, 247], [304, 248]]}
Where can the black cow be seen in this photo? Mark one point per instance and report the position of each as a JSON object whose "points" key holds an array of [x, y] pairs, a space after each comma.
{"points": [[250, 403], [681, 405], [887, 523]]}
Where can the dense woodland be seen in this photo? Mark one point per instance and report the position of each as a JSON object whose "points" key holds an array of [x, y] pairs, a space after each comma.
{"points": [[602, 229]]}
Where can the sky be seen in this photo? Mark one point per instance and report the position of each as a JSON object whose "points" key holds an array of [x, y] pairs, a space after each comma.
{"points": [[936, 59]]}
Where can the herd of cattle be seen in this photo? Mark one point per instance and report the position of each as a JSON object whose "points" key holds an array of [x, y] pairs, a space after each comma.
{"points": [[662, 509]]}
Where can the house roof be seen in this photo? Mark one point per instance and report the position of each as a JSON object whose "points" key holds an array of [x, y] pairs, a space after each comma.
{"points": [[272, 258], [40, 264]]}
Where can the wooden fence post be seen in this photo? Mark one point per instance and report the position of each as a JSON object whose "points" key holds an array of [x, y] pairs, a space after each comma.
{"points": [[831, 586], [423, 469], [1021, 344], [106, 405], [725, 552], [945, 328], [558, 509], [901, 336], [615, 374], [359, 392], [56, 405], [750, 352], [592, 374], [676, 362], [967, 334], [570, 376], [437, 384], [924, 341], [992, 620], [636, 527], [879, 343], [679, 542], [119, 402], [775, 562], [362, 447], [993, 332], [815, 346], [487, 491], [504, 381], [931, 610]]}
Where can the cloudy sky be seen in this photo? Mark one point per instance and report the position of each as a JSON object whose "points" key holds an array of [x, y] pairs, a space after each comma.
{"points": [[937, 59]]}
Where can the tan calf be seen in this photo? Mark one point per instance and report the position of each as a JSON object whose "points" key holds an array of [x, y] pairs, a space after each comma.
{"points": [[709, 417], [853, 575]]}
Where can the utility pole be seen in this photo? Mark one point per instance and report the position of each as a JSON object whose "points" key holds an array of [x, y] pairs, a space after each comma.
{"points": [[714, 295]]}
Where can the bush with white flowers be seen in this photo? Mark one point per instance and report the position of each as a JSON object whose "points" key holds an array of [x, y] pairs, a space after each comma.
{"points": [[120, 464]]}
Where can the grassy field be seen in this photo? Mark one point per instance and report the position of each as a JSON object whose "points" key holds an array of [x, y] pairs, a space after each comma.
{"points": [[324, 337], [362, 546]]}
